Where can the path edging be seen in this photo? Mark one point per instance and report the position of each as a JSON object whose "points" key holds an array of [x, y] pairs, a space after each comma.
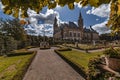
{"points": [[24, 70], [73, 65]]}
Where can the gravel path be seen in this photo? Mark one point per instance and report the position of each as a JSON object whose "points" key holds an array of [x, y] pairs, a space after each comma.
{"points": [[47, 65]]}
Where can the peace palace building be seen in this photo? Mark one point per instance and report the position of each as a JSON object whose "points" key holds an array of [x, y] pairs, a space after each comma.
{"points": [[70, 31]]}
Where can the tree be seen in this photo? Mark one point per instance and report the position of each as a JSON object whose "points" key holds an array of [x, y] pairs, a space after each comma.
{"points": [[1, 43], [109, 37], [14, 31], [7, 43], [14, 28], [14, 6]]}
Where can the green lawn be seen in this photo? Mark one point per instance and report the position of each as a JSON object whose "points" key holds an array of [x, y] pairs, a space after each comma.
{"points": [[12, 66], [80, 58]]}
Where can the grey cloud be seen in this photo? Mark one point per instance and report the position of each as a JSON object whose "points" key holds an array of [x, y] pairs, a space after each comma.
{"points": [[101, 11], [47, 18], [101, 28], [40, 21]]}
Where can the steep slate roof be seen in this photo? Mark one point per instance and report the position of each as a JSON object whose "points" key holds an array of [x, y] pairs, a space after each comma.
{"points": [[89, 30], [86, 30], [72, 24], [69, 25]]}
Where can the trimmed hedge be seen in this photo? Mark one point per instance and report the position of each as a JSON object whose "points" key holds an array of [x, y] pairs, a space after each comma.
{"points": [[29, 47], [77, 68], [64, 49], [20, 53]]}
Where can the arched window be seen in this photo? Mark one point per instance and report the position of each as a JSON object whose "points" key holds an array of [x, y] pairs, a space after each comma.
{"points": [[74, 34], [70, 33], [78, 34]]}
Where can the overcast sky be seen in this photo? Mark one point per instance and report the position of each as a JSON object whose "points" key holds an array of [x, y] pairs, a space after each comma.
{"points": [[96, 17]]}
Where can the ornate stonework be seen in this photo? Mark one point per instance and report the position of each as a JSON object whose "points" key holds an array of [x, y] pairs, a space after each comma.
{"points": [[71, 31]]}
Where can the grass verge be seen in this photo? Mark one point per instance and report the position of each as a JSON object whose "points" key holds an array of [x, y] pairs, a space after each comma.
{"points": [[15, 66], [78, 60]]}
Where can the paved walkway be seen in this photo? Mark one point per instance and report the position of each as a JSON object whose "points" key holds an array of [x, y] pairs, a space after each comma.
{"points": [[47, 65]]}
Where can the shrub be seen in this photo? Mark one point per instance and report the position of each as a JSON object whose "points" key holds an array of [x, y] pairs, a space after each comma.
{"points": [[95, 71], [19, 52], [92, 68], [64, 49], [29, 47], [111, 52], [118, 50], [7, 44]]}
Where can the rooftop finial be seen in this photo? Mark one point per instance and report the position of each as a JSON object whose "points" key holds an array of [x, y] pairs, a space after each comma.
{"points": [[55, 17], [80, 15]]}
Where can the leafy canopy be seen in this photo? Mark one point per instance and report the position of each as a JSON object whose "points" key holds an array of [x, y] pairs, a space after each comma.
{"points": [[14, 6]]}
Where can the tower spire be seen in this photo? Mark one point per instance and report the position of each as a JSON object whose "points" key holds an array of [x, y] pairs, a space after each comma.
{"points": [[80, 21], [80, 14], [55, 25], [55, 20]]}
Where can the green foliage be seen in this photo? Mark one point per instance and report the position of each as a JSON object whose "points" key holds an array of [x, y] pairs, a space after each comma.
{"points": [[1, 44], [11, 34], [93, 2], [64, 49], [94, 72], [14, 6], [118, 50], [20, 53], [29, 47], [112, 52], [7, 44], [14, 28], [95, 65], [114, 20], [10, 44]]}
